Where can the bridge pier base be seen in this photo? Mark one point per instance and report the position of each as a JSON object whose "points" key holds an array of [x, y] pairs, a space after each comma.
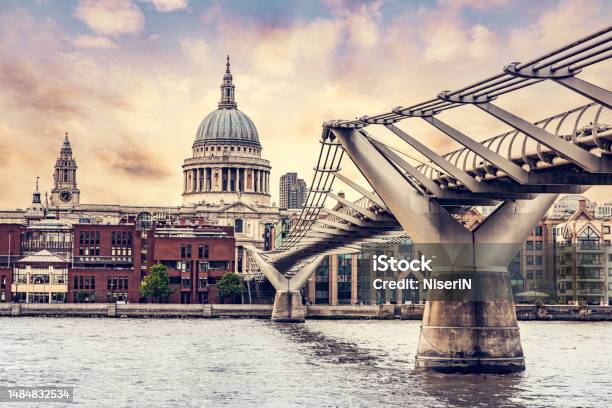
{"points": [[288, 307], [472, 336]]}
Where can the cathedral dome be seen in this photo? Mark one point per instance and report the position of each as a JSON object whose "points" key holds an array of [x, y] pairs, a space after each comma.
{"points": [[227, 124]]}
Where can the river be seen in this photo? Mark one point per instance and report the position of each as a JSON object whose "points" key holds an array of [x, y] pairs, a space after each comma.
{"points": [[242, 362]]}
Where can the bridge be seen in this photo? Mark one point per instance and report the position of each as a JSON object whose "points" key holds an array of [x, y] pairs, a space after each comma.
{"points": [[521, 172]]}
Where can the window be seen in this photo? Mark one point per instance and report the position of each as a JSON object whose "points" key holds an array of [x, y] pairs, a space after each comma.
{"points": [[606, 229], [538, 230], [538, 274], [588, 238], [201, 283], [203, 251], [529, 274], [218, 265], [186, 282], [186, 251], [529, 260], [89, 243], [121, 243], [538, 260], [529, 245], [238, 225], [538, 245]]}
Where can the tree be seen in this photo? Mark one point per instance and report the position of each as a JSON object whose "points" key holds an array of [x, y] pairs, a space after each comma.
{"points": [[82, 296], [156, 284], [229, 286]]}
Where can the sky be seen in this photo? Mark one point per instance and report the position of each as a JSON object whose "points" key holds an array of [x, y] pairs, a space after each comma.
{"points": [[131, 80]]}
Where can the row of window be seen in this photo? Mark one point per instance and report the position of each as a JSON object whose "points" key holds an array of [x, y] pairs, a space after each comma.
{"points": [[85, 282], [115, 283], [238, 148], [202, 251], [530, 258], [530, 245], [186, 282]]}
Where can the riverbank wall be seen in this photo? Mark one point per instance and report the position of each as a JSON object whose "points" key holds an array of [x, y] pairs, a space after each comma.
{"points": [[379, 312]]}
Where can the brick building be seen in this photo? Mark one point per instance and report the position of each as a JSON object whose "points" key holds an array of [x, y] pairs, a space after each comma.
{"points": [[107, 262]]}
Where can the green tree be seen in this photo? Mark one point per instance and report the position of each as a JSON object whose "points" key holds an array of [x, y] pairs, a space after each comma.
{"points": [[156, 284], [82, 296], [229, 286]]}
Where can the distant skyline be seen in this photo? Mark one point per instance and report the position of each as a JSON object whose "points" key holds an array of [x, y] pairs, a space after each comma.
{"points": [[131, 80]]}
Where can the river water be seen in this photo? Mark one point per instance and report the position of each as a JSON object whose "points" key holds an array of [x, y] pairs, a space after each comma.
{"points": [[242, 362]]}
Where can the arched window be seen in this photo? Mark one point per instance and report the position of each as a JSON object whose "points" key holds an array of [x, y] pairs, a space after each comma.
{"points": [[238, 225], [144, 221]]}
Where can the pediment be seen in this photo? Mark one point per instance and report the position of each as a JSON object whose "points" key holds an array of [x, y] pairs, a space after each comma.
{"points": [[238, 207]]}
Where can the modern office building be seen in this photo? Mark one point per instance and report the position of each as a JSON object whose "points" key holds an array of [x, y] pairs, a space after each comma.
{"points": [[292, 191]]}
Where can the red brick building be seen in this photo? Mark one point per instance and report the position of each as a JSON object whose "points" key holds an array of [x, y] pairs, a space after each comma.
{"points": [[195, 257], [108, 262], [10, 250]]}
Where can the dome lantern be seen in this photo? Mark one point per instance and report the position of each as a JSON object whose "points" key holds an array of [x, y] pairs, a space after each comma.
{"points": [[227, 124]]}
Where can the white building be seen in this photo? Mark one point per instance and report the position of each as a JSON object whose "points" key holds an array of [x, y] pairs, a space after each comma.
{"points": [[40, 278]]}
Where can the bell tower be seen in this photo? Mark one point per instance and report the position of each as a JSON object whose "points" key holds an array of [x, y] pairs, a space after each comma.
{"points": [[65, 192]]}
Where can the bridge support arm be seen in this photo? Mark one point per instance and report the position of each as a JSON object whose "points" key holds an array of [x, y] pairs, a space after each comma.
{"points": [[435, 223], [288, 305], [588, 90]]}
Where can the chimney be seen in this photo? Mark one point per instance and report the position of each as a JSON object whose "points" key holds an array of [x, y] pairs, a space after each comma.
{"points": [[582, 205]]}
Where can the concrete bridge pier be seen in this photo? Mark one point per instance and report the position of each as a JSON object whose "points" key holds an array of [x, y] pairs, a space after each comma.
{"points": [[288, 305], [462, 331]]}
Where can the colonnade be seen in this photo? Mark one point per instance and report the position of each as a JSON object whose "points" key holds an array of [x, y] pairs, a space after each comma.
{"points": [[226, 179]]}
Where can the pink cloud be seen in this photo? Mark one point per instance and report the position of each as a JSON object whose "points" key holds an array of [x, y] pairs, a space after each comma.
{"points": [[110, 17]]}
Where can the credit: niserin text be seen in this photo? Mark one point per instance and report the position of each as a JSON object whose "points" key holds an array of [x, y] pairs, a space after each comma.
{"points": [[383, 263]]}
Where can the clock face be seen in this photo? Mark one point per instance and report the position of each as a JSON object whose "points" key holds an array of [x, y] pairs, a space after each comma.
{"points": [[65, 196]]}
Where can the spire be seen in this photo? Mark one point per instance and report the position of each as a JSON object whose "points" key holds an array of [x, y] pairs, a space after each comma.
{"points": [[36, 195], [227, 89], [66, 148], [36, 209]]}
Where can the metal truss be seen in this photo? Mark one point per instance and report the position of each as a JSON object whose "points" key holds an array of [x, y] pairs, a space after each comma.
{"points": [[531, 158]]}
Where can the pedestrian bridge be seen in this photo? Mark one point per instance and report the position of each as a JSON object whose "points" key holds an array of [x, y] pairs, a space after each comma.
{"points": [[520, 172]]}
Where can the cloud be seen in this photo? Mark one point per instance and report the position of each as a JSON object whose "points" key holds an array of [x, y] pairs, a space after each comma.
{"points": [[196, 48], [31, 89], [88, 41], [134, 159], [110, 17], [133, 117], [164, 6]]}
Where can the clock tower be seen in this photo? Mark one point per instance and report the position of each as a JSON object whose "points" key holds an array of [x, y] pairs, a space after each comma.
{"points": [[65, 192]]}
